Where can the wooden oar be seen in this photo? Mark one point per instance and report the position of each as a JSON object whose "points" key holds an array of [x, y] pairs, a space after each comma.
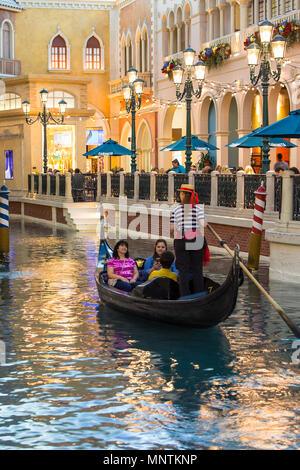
{"points": [[277, 307]]}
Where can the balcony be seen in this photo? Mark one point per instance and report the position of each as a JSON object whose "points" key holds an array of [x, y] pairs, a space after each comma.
{"points": [[116, 85], [9, 67]]}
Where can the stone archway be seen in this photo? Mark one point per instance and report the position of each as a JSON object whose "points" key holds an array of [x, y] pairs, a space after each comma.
{"points": [[144, 146]]}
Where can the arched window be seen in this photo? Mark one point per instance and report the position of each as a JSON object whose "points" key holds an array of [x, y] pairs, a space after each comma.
{"points": [[93, 55], [124, 58], [129, 52], [59, 54], [145, 51], [10, 101], [138, 51], [7, 40], [55, 96]]}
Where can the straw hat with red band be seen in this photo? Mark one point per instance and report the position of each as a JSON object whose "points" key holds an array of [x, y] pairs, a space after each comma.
{"points": [[189, 188]]}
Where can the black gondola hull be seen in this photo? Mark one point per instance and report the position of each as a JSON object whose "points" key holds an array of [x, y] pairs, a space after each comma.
{"points": [[203, 312]]}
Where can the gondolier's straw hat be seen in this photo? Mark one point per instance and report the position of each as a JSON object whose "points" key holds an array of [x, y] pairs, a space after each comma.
{"points": [[189, 188]]}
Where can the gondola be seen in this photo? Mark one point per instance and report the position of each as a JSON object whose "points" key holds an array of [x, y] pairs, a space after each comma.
{"points": [[159, 298]]}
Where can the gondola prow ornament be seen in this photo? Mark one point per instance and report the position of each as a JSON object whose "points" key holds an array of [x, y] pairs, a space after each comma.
{"points": [[257, 227]]}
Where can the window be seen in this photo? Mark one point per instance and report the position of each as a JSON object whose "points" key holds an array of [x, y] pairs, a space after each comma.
{"points": [[93, 54], [54, 98], [58, 53], [262, 10], [7, 40], [10, 101], [9, 164]]}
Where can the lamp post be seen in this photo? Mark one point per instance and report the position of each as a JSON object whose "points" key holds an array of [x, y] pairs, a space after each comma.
{"points": [[275, 46], [133, 96], [44, 117], [196, 71]]}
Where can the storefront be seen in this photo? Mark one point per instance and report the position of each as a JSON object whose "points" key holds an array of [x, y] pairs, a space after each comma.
{"points": [[94, 138], [61, 147]]}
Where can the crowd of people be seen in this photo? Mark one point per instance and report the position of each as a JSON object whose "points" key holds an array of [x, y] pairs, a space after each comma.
{"points": [[187, 227]]}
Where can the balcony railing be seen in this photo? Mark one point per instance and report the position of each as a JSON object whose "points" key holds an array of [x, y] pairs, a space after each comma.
{"points": [[116, 85], [236, 192], [10, 67]]}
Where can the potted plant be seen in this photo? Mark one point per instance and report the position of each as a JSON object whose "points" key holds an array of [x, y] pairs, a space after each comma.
{"points": [[205, 160]]}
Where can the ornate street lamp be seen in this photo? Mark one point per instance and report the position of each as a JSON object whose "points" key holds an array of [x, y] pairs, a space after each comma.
{"points": [[132, 93], [44, 117], [269, 46], [196, 71]]}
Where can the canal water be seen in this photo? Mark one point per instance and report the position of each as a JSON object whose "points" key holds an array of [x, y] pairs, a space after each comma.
{"points": [[78, 376]]}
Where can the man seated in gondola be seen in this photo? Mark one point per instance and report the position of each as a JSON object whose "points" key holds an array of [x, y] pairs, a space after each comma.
{"points": [[166, 260]]}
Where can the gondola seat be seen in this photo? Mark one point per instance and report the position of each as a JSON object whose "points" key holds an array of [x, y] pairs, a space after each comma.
{"points": [[159, 288]]}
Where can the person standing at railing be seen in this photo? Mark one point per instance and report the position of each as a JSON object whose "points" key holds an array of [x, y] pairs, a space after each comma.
{"points": [[177, 168]]}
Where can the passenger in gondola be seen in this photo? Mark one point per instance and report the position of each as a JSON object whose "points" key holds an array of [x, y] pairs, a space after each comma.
{"points": [[121, 269], [166, 261], [187, 227], [153, 262]]}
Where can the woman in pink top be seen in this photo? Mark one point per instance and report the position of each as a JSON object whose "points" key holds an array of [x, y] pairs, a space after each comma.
{"points": [[122, 269]]}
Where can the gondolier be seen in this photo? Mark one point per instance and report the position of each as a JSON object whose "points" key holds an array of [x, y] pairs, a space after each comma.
{"points": [[187, 227]]}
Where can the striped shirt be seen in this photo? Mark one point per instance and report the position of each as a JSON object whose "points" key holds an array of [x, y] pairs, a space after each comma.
{"points": [[188, 223]]}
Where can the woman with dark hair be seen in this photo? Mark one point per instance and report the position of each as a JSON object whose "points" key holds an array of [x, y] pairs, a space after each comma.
{"points": [[121, 269], [153, 262]]}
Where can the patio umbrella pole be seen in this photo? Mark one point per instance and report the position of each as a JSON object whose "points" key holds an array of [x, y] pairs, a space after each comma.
{"points": [[277, 307]]}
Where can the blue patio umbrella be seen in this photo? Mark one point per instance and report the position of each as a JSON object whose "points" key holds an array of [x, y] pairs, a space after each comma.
{"points": [[197, 144], [286, 127], [253, 140], [110, 147]]}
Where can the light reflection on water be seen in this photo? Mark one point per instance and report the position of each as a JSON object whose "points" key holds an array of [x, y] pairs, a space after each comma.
{"points": [[72, 380]]}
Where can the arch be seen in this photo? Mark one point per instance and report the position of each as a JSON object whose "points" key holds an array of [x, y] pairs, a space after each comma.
{"points": [[93, 53], [187, 10], [245, 117], [138, 50], [54, 96], [100, 120], [203, 113], [144, 146], [145, 49], [7, 41], [124, 67], [129, 51], [59, 52], [171, 19], [125, 141], [179, 15], [10, 101]]}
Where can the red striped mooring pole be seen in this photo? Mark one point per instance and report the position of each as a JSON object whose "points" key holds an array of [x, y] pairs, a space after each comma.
{"points": [[257, 227]]}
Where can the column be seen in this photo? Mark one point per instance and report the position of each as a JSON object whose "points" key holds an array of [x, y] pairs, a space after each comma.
{"points": [[269, 9], [136, 186], [178, 27], [153, 185], [221, 8], [171, 187], [287, 197], [244, 154], [108, 187], [98, 197], [232, 16], [48, 185], [240, 190], [270, 190], [210, 24], [222, 154], [214, 189], [172, 31], [243, 14], [256, 12], [186, 32], [122, 183], [68, 191]]}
